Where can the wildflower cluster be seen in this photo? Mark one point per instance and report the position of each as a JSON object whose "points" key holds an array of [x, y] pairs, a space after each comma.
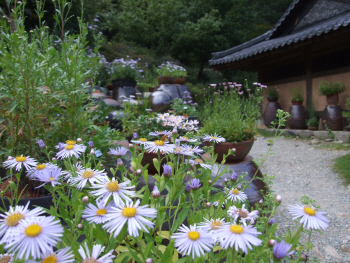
{"points": [[169, 69], [184, 106]]}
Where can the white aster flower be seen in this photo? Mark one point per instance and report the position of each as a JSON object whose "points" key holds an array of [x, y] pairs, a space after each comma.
{"points": [[199, 162], [108, 188], [186, 139], [99, 214], [237, 236], [193, 240], [88, 175], [141, 141], [60, 256], [236, 195], [9, 222], [212, 224], [6, 258], [181, 150], [161, 133], [310, 218], [216, 203], [69, 149], [163, 147], [243, 214], [39, 169], [96, 251], [35, 235], [194, 149], [215, 138], [133, 214], [17, 162], [50, 175], [119, 151]]}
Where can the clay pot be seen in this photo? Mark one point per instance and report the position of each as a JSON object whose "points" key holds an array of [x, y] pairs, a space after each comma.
{"points": [[148, 159], [271, 99], [297, 103], [332, 99], [242, 150], [298, 116], [180, 81], [312, 128], [166, 80], [332, 115], [270, 112]]}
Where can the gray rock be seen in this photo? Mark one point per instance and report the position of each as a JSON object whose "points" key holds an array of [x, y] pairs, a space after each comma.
{"points": [[342, 136], [305, 133], [292, 132], [315, 141], [345, 249], [332, 252], [321, 134]]}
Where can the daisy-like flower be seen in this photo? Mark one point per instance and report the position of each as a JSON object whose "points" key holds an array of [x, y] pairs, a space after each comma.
{"points": [[161, 133], [243, 214], [11, 219], [310, 218], [34, 236], [6, 258], [195, 183], [88, 175], [194, 149], [281, 250], [237, 195], [212, 224], [60, 256], [108, 188], [141, 141], [133, 214], [192, 240], [199, 162], [17, 162], [51, 175], [94, 257], [182, 151], [119, 151], [186, 139], [238, 236], [161, 146], [39, 169], [216, 138], [70, 149], [99, 214], [216, 203]]}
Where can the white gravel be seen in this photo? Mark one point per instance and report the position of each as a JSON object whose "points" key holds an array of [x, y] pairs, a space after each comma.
{"points": [[302, 169]]}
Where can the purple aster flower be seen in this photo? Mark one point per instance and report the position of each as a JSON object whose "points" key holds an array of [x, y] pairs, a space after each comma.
{"points": [[41, 144], [166, 170], [119, 151], [271, 221], [281, 250], [91, 144], [61, 146], [135, 135], [187, 189], [234, 177], [195, 183]]}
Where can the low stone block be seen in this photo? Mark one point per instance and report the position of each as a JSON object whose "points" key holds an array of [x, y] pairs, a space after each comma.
{"points": [[305, 133], [292, 132], [321, 134], [342, 136]]}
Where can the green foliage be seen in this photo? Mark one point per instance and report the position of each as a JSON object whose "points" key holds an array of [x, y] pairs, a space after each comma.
{"points": [[342, 166], [312, 122], [124, 69], [169, 69], [328, 88], [272, 92], [297, 94], [184, 106], [347, 114]]}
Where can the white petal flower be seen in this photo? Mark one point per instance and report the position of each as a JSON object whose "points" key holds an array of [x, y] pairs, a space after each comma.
{"points": [[200, 163], [194, 149], [11, 219], [161, 146], [119, 192], [186, 139], [99, 214], [161, 133], [237, 236], [88, 175], [39, 169], [182, 151], [243, 214], [215, 138], [310, 218], [119, 151], [193, 241], [141, 141], [50, 175], [236, 195], [17, 162], [69, 149], [94, 257], [133, 214], [6, 258], [35, 235], [60, 256]]}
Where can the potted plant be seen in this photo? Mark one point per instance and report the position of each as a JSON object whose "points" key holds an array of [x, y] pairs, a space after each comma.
{"points": [[297, 111], [272, 94], [124, 72], [271, 107], [312, 124], [347, 115], [168, 72], [233, 116], [331, 91], [297, 96]]}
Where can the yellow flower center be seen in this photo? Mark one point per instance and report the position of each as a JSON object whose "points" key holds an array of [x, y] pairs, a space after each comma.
{"points": [[87, 174], [70, 142], [69, 147], [5, 259], [309, 211], [236, 229], [189, 149], [235, 191], [13, 219], [185, 138], [143, 140], [198, 161], [129, 212], [20, 159], [216, 224], [41, 166], [113, 187], [159, 143], [33, 230], [177, 149], [214, 137], [50, 259], [101, 211], [52, 178], [193, 235]]}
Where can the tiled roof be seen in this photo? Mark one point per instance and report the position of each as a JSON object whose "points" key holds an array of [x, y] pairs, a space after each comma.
{"points": [[262, 44]]}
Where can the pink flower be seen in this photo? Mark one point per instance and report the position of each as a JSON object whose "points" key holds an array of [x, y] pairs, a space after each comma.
{"points": [[248, 89], [224, 83], [216, 92], [210, 101], [240, 93], [203, 88], [225, 87]]}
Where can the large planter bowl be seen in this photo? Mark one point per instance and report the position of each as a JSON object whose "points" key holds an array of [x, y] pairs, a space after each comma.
{"points": [[148, 159], [180, 81], [298, 116], [166, 80], [272, 99], [332, 99], [242, 150]]}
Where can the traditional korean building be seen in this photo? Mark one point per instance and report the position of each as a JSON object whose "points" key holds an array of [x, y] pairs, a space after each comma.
{"points": [[310, 43]]}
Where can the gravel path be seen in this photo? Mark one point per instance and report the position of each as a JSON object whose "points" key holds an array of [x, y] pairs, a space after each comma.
{"points": [[302, 169]]}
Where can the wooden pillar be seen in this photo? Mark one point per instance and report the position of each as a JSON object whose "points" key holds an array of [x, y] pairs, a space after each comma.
{"points": [[308, 82]]}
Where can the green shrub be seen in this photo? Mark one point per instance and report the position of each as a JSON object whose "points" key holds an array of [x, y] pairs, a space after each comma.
{"points": [[328, 88]]}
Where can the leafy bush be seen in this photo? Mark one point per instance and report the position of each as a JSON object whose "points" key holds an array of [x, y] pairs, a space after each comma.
{"points": [[329, 88], [297, 95], [169, 69], [125, 69], [184, 106], [272, 92], [312, 122]]}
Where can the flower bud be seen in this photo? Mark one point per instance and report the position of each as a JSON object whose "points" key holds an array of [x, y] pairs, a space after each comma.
{"points": [[101, 165], [272, 242], [131, 145], [53, 159], [41, 144], [208, 204], [271, 221], [80, 226], [149, 260], [167, 170], [239, 186], [233, 149], [91, 144], [174, 130], [80, 162], [120, 162], [134, 135], [85, 199], [261, 201], [10, 158], [79, 140], [155, 192], [278, 199], [138, 171], [225, 180], [187, 189], [210, 181], [234, 177], [92, 152]]}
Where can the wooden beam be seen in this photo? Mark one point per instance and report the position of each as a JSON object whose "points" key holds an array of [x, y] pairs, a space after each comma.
{"points": [[308, 67]]}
